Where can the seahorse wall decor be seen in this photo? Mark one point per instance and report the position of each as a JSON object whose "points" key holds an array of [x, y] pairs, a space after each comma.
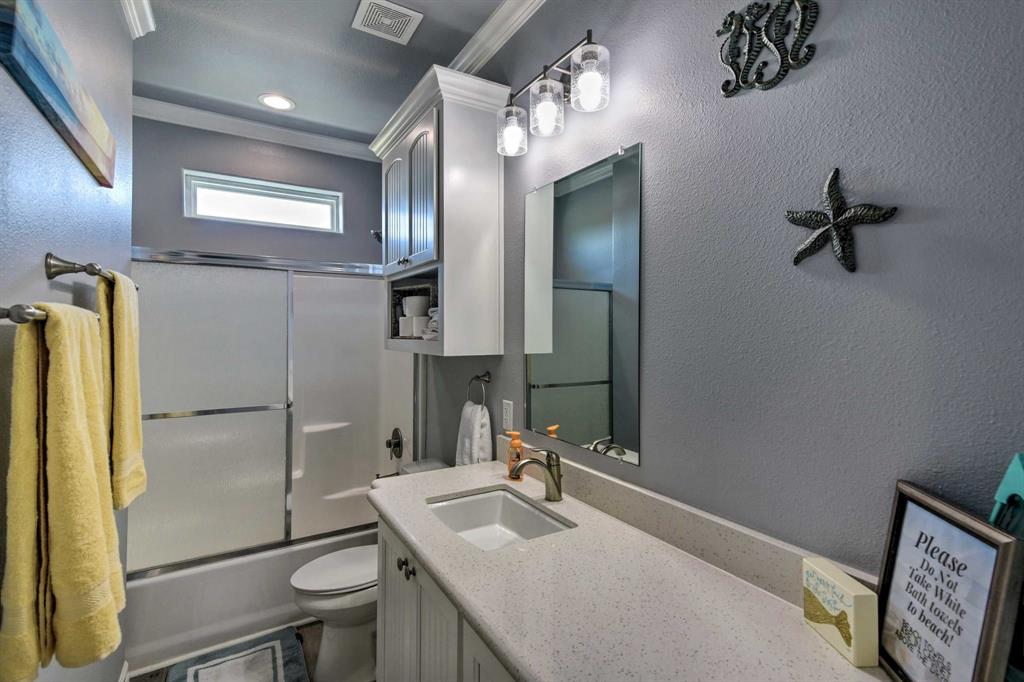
{"points": [[747, 40]]}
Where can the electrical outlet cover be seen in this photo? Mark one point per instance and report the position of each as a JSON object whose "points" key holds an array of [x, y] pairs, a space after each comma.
{"points": [[506, 415]]}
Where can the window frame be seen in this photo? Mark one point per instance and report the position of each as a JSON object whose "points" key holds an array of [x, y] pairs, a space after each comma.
{"points": [[192, 180]]}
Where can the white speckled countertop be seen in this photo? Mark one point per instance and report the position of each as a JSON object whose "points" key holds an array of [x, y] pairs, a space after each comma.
{"points": [[603, 601]]}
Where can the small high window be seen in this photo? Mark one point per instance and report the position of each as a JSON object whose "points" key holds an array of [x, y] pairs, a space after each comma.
{"points": [[259, 202]]}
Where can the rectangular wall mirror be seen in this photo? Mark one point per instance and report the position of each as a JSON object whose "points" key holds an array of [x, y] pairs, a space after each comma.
{"points": [[582, 307]]}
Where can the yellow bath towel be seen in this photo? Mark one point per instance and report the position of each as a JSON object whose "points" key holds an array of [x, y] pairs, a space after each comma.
{"points": [[62, 585], [118, 305]]}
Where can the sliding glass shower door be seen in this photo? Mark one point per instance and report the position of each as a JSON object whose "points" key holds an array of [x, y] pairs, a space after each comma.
{"points": [[233, 464], [349, 394]]}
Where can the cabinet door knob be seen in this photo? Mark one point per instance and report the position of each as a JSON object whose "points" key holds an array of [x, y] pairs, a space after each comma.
{"points": [[403, 563], [410, 571]]}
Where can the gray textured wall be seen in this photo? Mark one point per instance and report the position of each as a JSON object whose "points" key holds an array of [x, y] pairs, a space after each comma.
{"points": [[162, 150], [50, 202], [790, 399]]}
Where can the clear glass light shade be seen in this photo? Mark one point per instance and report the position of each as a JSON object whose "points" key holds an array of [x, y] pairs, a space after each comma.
{"points": [[512, 131], [591, 77], [547, 108]]}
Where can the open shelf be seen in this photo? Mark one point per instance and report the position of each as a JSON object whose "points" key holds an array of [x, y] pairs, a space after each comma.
{"points": [[424, 283]]}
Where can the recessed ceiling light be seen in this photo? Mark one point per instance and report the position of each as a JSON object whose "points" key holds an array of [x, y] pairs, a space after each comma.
{"points": [[277, 102]]}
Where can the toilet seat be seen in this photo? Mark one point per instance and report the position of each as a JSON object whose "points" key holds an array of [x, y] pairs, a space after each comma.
{"points": [[343, 572]]}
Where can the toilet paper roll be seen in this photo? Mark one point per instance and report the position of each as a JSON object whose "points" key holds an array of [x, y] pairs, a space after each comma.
{"points": [[405, 326], [419, 324]]}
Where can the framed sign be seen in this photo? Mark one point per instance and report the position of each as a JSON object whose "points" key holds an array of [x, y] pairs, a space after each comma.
{"points": [[948, 592]]}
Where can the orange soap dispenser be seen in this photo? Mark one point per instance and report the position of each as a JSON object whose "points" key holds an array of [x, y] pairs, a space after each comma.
{"points": [[553, 431], [515, 452]]}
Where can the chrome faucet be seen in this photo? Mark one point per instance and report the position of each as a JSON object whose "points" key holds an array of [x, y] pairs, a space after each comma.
{"points": [[614, 450], [552, 473]]}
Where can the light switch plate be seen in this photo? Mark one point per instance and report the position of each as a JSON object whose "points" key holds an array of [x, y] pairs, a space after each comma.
{"points": [[506, 415]]}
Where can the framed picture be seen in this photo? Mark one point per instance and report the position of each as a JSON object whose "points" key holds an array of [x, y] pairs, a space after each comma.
{"points": [[948, 592], [35, 57]]}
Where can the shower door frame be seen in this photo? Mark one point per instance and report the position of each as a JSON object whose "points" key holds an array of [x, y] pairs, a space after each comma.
{"points": [[291, 266]]}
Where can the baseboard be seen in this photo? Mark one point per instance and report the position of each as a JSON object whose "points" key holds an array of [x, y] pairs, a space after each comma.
{"points": [[205, 650]]}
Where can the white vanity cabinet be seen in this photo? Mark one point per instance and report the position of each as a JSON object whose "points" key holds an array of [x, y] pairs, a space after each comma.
{"points": [[479, 664], [417, 626], [419, 630], [441, 213]]}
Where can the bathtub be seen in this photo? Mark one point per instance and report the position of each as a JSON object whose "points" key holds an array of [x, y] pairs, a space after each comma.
{"points": [[182, 613]]}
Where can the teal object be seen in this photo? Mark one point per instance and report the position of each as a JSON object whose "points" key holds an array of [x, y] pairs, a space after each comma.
{"points": [[1008, 514]]}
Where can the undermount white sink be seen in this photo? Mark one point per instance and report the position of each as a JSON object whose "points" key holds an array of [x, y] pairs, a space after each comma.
{"points": [[495, 517]]}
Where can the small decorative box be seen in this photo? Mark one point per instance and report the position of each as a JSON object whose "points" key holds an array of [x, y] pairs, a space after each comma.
{"points": [[841, 610]]}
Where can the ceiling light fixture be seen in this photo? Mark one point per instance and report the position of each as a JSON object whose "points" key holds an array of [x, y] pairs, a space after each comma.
{"points": [[276, 102], [589, 79]]}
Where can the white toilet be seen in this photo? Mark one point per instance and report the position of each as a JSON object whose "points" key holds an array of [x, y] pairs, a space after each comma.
{"points": [[341, 590]]}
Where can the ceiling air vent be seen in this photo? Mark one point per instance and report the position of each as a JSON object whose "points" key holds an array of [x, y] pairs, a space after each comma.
{"points": [[386, 20]]}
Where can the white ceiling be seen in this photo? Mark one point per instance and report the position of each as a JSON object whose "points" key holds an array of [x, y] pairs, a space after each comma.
{"points": [[220, 55]]}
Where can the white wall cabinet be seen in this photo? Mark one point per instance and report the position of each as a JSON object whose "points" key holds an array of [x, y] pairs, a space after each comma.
{"points": [[419, 630], [409, 196], [441, 213]]}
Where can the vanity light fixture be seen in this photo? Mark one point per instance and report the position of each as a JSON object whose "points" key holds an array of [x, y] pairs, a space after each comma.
{"points": [[585, 67], [276, 102], [547, 107], [512, 130], [591, 77]]}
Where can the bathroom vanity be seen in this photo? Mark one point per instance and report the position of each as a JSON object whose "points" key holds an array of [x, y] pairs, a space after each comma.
{"points": [[419, 630], [542, 590]]}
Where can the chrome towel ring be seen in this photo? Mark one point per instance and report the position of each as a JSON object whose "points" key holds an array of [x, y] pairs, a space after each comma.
{"points": [[483, 380]]}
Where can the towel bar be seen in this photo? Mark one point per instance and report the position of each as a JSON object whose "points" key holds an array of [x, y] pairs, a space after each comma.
{"points": [[22, 313], [56, 266]]}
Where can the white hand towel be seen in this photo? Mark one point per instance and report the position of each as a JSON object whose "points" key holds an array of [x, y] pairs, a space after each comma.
{"points": [[474, 435]]}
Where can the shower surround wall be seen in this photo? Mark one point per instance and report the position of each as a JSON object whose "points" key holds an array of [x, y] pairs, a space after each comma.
{"points": [[164, 149], [791, 399], [49, 201]]}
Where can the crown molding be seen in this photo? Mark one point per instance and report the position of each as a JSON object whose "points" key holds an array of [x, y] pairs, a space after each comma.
{"points": [[139, 16], [166, 112], [438, 84], [503, 23]]}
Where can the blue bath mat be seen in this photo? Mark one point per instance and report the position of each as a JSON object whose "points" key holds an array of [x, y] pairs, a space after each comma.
{"points": [[276, 657]]}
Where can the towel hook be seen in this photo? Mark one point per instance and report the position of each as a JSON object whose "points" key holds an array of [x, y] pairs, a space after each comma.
{"points": [[483, 379]]}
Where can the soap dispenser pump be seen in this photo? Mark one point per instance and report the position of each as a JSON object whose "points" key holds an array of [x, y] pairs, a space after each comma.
{"points": [[515, 452]]}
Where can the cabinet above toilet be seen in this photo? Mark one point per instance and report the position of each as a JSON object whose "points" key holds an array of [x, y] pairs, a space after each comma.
{"points": [[441, 213]]}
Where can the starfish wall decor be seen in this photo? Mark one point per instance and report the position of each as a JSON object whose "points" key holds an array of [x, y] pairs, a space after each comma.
{"points": [[835, 224]]}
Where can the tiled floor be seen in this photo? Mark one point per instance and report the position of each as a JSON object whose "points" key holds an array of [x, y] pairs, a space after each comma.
{"points": [[309, 634]]}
